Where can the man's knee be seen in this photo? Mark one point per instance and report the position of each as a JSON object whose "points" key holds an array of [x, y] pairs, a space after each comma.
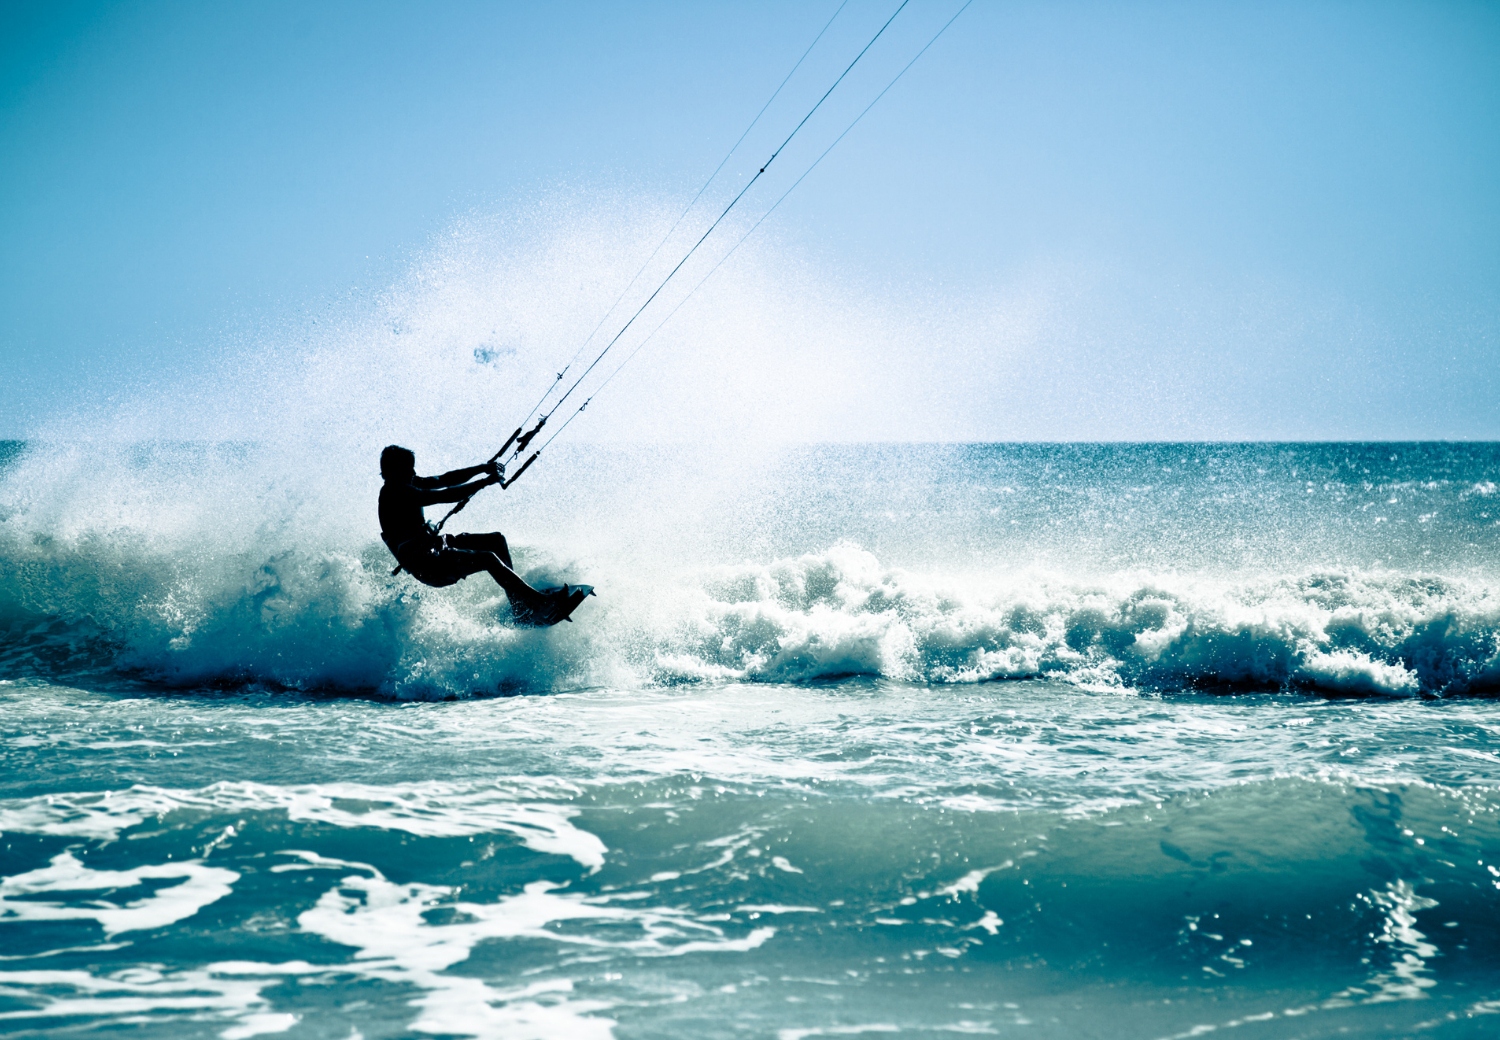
{"points": [[493, 542], [496, 544]]}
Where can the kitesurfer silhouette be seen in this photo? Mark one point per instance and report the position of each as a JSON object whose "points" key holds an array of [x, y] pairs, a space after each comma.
{"points": [[440, 560]]}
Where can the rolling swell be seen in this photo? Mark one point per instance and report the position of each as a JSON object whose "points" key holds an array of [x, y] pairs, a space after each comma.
{"points": [[1313, 900], [330, 619]]}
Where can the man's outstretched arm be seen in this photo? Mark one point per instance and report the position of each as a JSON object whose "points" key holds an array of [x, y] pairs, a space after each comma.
{"points": [[431, 496], [452, 477]]}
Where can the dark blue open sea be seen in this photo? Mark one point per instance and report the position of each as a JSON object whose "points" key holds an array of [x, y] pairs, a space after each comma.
{"points": [[1152, 741]]}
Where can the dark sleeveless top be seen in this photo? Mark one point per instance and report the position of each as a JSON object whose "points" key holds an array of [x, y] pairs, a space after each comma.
{"points": [[401, 519]]}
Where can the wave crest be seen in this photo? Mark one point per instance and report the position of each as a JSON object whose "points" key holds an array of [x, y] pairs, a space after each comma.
{"points": [[334, 619], [841, 612]]}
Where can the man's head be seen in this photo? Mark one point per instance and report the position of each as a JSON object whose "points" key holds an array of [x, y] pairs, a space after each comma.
{"points": [[397, 463]]}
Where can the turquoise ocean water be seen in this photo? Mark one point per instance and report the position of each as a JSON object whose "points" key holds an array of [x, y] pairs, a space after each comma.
{"points": [[990, 740]]}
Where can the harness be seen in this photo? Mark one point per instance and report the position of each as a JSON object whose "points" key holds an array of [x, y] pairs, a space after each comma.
{"points": [[428, 544]]}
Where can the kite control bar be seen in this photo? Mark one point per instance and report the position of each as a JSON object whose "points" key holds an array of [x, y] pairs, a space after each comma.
{"points": [[504, 482], [517, 475]]}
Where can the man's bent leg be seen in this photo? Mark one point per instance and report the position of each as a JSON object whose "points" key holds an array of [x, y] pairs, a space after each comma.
{"points": [[489, 543], [452, 563]]}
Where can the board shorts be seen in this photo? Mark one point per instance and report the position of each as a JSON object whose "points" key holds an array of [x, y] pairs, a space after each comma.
{"points": [[450, 558]]}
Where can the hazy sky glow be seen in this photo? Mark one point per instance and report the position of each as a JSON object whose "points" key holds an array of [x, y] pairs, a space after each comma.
{"points": [[1096, 221]]}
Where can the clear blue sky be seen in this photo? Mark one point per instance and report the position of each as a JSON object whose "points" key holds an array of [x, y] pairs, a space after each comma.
{"points": [[1216, 220]]}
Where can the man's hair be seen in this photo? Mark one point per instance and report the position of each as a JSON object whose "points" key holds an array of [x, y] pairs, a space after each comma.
{"points": [[396, 459]]}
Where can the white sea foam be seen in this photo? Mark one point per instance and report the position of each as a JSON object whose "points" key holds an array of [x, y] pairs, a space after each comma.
{"points": [[970, 882], [388, 925], [426, 809], [841, 612], [318, 620], [148, 994], [22, 895]]}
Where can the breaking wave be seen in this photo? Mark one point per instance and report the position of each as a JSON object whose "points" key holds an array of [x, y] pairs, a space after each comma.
{"points": [[841, 612], [334, 619]]}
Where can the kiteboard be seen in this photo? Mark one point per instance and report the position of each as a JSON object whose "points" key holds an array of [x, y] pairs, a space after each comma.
{"points": [[555, 604]]}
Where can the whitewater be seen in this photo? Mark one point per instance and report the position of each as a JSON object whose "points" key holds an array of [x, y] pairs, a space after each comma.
{"points": [[923, 739]]}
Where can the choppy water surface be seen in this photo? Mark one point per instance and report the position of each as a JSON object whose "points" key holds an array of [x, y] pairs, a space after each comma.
{"points": [[1047, 741], [779, 860]]}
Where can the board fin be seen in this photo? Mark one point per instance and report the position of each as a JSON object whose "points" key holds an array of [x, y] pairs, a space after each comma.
{"points": [[553, 605]]}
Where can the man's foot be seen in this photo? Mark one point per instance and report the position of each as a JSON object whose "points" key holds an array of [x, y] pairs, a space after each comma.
{"points": [[551, 606], [534, 611]]}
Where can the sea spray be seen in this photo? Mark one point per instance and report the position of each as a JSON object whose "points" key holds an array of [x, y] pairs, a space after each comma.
{"points": [[167, 562]]}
